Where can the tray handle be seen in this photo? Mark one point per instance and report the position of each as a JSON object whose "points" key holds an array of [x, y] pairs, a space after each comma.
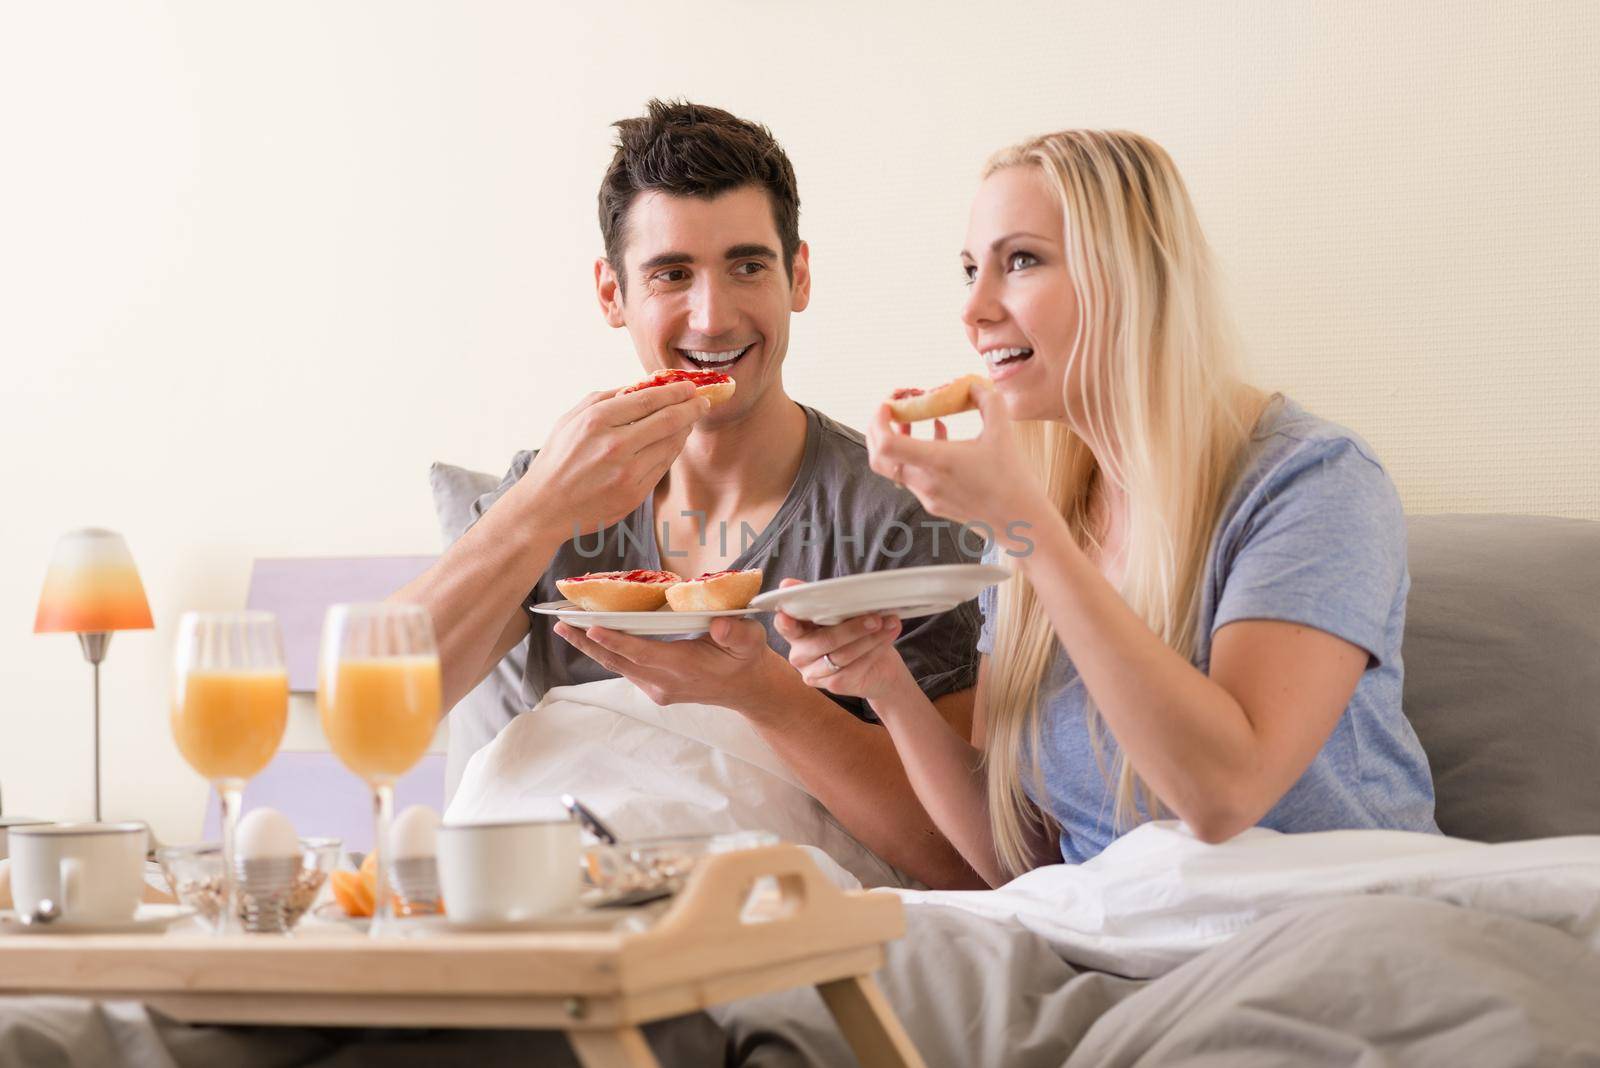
{"points": [[718, 896]]}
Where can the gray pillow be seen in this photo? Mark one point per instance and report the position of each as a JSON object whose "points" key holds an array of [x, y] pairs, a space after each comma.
{"points": [[495, 701], [455, 491], [1502, 672]]}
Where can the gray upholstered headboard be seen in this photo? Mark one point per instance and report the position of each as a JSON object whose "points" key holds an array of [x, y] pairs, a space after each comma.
{"points": [[1502, 661]]}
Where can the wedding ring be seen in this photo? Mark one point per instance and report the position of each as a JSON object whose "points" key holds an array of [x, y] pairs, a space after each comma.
{"points": [[833, 669]]}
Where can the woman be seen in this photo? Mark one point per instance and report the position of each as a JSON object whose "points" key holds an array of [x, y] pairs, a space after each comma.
{"points": [[1210, 584]]}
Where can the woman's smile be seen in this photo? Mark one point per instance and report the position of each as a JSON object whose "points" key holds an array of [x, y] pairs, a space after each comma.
{"points": [[1004, 361]]}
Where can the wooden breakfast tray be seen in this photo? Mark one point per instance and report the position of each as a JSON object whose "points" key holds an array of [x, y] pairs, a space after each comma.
{"points": [[597, 986]]}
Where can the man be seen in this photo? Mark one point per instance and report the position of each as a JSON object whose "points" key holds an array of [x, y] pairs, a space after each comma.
{"points": [[703, 267]]}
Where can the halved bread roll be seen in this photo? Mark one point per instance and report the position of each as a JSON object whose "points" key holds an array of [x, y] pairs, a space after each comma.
{"points": [[714, 386], [618, 591], [915, 405], [715, 591]]}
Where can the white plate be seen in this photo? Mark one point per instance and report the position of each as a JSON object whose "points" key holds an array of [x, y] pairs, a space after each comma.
{"points": [[147, 919], [907, 592], [664, 621]]}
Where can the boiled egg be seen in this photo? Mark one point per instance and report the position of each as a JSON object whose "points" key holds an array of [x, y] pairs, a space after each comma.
{"points": [[414, 833], [266, 833]]}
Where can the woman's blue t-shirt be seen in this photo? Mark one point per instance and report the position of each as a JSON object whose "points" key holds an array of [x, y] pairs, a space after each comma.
{"points": [[1312, 534]]}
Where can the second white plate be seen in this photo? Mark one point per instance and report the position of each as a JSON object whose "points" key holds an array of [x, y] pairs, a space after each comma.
{"points": [[907, 592], [662, 622]]}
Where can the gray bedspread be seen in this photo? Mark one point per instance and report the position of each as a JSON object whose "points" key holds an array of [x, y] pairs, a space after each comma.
{"points": [[1356, 981], [1367, 981]]}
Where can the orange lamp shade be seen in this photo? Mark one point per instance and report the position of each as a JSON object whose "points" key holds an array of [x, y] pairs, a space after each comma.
{"points": [[92, 586]]}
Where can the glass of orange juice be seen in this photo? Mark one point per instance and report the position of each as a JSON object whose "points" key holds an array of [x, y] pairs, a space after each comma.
{"points": [[229, 707], [379, 696]]}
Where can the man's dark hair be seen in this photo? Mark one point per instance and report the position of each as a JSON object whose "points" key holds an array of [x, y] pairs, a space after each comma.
{"points": [[691, 150]]}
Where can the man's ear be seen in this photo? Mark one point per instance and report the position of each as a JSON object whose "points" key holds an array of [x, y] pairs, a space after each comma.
{"points": [[608, 288], [800, 294]]}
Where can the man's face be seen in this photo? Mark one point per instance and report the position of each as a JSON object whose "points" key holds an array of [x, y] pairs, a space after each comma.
{"points": [[706, 290]]}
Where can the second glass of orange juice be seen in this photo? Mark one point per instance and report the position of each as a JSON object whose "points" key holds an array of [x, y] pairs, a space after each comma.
{"points": [[379, 696], [230, 705]]}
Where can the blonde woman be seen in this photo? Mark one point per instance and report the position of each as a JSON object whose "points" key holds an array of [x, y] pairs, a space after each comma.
{"points": [[1210, 583]]}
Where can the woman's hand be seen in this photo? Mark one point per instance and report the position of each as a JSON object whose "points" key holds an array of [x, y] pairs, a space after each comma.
{"points": [[855, 658], [984, 480]]}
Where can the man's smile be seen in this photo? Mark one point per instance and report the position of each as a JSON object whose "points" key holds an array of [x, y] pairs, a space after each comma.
{"points": [[720, 359]]}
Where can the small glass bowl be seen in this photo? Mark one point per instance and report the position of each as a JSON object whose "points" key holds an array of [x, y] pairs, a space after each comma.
{"points": [[658, 866], [194, 872]]}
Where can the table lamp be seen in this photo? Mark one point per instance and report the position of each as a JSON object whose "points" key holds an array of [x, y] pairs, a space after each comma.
{"points": [[92, 589]]}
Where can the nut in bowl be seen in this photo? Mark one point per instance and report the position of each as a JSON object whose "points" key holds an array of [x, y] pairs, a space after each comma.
{"points": [[643, 869], [194, 872]]}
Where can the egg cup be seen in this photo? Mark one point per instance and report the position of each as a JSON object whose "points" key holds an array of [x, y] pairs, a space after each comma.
{"points": [[416, 886], [194, 872]]}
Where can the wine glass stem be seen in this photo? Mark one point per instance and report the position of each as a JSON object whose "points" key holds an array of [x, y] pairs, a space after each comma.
{"points": [[231, 791], [382, 814]]}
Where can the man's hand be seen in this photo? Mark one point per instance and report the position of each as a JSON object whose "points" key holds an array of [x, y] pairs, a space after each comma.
{"points": [[733, 666], [604, 455]]}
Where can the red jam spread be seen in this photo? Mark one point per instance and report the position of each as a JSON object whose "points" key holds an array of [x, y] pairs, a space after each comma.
{"points": [[663, 378], [629, 576], [902, 394], [709, 575]]}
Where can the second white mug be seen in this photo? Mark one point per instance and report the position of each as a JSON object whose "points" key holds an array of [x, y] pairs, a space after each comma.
{"points": [[511, 871]]}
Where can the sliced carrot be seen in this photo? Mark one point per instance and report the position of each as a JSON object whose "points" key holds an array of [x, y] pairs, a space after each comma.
{"points": [[352, 893]]}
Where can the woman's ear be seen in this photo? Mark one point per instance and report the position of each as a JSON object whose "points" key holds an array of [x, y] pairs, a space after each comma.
{"points": [[608, 288]]}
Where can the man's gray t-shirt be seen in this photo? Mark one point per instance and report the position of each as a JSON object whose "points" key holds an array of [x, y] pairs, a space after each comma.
{"points": [[1313, 534], [839, 518]]}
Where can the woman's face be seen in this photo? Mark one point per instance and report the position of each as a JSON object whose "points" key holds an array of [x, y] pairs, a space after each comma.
{"points": [[1022, 314]]}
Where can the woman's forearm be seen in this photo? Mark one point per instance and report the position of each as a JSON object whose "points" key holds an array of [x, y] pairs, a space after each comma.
{"points": [[1185, 735], [945, 772], [853, 769]]}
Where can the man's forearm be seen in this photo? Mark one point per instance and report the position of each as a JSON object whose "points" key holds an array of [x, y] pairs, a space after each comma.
{"points": [[852, 768], [475, 590]]}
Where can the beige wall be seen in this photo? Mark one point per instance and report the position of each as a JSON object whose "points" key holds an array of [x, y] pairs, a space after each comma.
{"points": [[261, 263]]}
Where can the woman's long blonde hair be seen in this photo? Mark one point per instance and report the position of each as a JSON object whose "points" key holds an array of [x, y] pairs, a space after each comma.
{"points": [[1155, 362]]}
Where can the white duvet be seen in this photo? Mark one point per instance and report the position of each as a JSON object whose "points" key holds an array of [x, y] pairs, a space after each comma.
{"points": [[1155, 898], [1158, 896]]}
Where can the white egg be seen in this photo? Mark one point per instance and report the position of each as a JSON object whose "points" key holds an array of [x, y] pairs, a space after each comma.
{"points": [[415, 833], [266, 832]]}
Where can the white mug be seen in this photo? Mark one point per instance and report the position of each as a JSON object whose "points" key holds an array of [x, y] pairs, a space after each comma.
{"points": [[506, 872], [93, 872]]}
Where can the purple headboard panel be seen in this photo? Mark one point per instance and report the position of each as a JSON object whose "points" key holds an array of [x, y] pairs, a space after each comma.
{"points": [[321, 797], [300, 589]]}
